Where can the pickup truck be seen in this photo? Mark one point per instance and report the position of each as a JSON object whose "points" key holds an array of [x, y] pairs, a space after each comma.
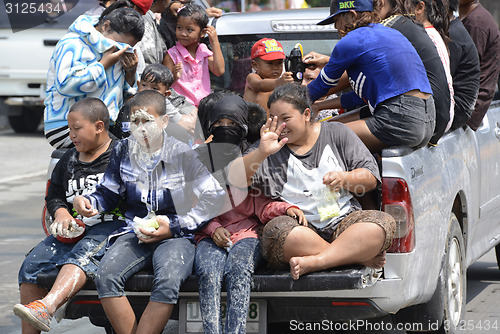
{"points": [[28, 36], [445, 200]]}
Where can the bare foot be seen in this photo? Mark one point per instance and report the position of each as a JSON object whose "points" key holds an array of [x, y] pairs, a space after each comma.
{"points": [[299, 266], [376, 262]]}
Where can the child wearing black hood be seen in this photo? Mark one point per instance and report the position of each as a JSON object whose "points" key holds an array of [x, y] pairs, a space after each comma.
{"points": [[228, 247]]}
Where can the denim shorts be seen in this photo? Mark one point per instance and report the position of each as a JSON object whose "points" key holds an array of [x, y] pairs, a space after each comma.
{"points": [[171, 260], [51, 253], [403, 120]]}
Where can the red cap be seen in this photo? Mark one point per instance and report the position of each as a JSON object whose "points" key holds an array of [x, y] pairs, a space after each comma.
{"points": [[268, 49], [144, 5]]}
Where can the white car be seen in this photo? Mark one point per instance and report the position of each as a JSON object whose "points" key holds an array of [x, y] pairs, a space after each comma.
{"points": [[26, 52]]}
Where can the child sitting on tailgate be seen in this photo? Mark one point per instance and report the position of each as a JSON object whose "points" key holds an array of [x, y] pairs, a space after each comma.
{"points": [[77, 173], [267, 65]]}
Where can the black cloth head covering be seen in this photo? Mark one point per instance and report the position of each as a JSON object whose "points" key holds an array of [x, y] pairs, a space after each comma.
{"points": [[232, 107], [227, 143]]}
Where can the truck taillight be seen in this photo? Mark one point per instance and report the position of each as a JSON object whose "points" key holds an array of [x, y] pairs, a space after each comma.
{"points": [[396, 201], [46, 219]]}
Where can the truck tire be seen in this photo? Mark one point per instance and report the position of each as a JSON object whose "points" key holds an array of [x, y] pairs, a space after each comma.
{"points": [[454, 277], [27, 121], [447, 305], [497, 252]]}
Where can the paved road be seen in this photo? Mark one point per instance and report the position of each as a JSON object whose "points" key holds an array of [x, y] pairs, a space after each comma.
{"points": [[24, 160]]}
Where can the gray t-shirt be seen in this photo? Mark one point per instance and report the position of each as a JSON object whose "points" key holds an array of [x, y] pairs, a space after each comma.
{"points": [[298, 179]]}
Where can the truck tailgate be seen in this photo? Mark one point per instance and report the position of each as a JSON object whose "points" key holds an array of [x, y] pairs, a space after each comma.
{"points": [[345, 278]]}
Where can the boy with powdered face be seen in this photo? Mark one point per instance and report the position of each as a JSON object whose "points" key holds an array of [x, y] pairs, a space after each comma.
{"points": [[160, 179], [78, 172]]}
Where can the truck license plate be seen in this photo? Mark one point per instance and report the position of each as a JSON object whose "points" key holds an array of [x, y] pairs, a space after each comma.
{"points": [[190, 321]]}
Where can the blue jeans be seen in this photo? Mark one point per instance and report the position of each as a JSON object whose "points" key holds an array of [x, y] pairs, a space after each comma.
{"points": [[171, 261], [50, 253], [213, 264]]}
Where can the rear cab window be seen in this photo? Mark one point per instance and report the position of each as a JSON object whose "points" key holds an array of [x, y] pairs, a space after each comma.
{"points": [[236, 46]]}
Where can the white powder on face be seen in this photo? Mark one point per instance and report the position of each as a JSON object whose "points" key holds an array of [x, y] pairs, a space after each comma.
{"points": [[141, 115], [146, 130]]}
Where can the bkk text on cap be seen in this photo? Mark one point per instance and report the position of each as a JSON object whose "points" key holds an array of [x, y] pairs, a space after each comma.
{"points": [[342, 6], [268, 49]]}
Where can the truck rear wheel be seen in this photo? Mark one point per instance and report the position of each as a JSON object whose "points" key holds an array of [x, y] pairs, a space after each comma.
{"points": [[447, 305], [26, 121], [454, 279], [497, 252]]}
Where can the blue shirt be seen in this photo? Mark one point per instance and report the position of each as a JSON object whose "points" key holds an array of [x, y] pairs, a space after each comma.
{"points": [[380, 62], [178, 185]]}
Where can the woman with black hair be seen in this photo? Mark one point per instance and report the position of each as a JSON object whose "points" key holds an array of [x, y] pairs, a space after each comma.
{"points": [[433, 14], [318, 167], [94, 59]]}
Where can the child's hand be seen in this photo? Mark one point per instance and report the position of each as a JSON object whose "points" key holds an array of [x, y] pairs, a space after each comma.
{"points": [[214, 12], [297, 214], [285, 78], [111, 57], [216, 61], [83, 206], [62, 221], [221, 237], [212, 34], [177, 71], [162, 232]]}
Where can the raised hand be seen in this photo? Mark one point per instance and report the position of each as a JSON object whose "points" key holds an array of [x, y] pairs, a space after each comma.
{"points": [[212, 34], [269, 137], [129, 61]]}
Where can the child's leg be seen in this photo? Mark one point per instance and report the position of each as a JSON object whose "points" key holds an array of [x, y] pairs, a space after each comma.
{"points": [[120, 314], [155, 317], [42, 258], [29, 293], [79, 264], [69, 281], [242, 260], [125, 258], [209, 266], [172, 264]]}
